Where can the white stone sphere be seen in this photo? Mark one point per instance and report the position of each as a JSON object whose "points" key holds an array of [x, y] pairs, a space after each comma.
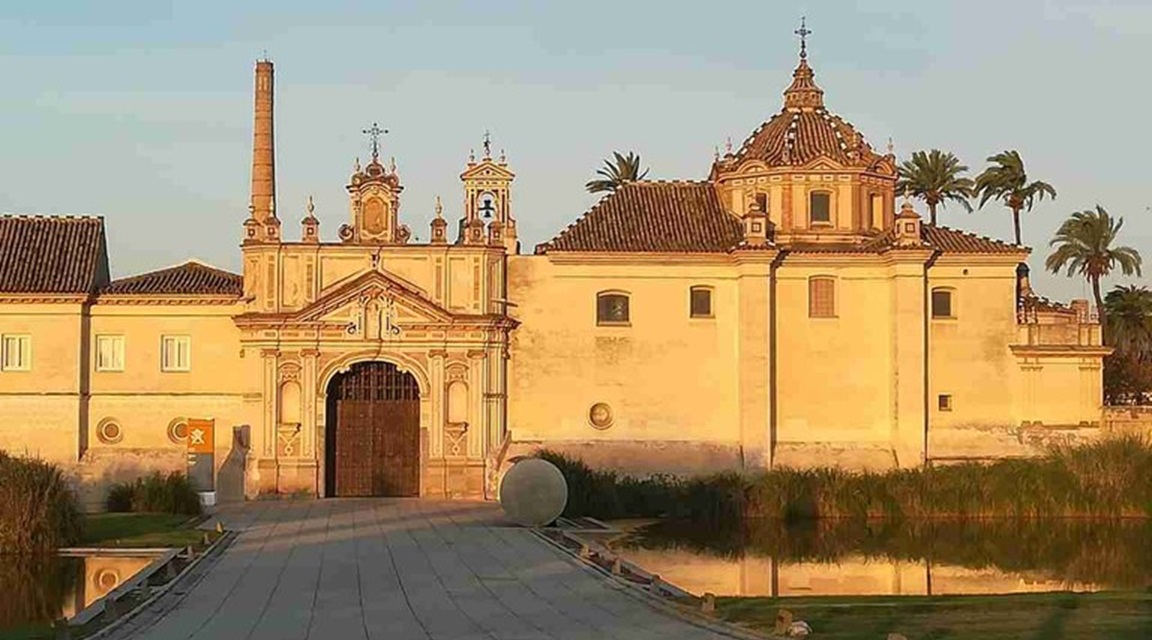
{"points": [[533, 493]]}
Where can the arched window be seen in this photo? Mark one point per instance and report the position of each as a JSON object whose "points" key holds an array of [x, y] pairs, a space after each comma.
{"points": [[943, 303], [821, 297], [761, 200], [700, 302], [612, 308], [820, 207]]}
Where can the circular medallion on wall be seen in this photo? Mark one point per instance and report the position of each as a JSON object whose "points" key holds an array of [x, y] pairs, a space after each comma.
{"points": [[600, 415], [178, 431], [109, 431], [107, 580]]}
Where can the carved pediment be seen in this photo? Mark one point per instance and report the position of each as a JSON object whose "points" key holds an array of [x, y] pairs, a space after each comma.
{"points": [[369, 291], [487, 170]]}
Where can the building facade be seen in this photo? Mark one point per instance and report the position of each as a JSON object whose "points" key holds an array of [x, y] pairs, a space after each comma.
{"points": [[787, 310]]}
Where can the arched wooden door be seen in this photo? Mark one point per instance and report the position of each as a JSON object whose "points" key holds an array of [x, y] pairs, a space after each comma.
{"points": [[373, 432]]}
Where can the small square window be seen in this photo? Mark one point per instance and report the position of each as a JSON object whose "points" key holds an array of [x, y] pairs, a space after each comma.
{"points": [[109, 353], [944, 402], [612, 308], [176, 353], [942, 303], [701, 302], [15, 353]]}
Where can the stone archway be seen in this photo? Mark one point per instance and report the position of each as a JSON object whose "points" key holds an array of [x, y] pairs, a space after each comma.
{"points": [[372, 432]]}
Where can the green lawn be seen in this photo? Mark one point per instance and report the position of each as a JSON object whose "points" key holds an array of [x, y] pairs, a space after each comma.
{"points": [[139, 530], [1054, 616]]}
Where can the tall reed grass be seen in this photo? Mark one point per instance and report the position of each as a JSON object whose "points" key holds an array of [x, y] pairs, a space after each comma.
{"points": [[1110, 478], [157, 493], [38, 510]]}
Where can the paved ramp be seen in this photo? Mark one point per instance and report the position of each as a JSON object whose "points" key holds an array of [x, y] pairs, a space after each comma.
{"points": [[395, 569]]}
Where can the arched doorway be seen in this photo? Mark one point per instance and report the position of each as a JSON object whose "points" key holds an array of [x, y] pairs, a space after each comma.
{"points": [[372, 432]]}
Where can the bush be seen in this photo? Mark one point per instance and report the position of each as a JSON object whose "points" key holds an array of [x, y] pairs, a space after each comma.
{"points": [[1106, 479], [38, 510], [157, 493]]}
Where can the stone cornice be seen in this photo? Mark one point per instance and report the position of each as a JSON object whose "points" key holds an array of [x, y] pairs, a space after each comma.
{"points": [[44, 298], [1060, 350], [166, 300]]}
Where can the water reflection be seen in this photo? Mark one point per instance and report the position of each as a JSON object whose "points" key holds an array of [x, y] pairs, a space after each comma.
{"points": [[770, 558], [40, 589]]}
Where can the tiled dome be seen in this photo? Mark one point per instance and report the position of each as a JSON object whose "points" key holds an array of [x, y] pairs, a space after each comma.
{"points": [[804, 130]]}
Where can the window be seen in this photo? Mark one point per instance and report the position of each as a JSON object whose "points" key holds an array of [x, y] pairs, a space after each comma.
{"points": [[820, 207], [701, 302], [109, 353], [612, 308], [176, 353], [944, 402], [822, 297], [942, 303], [15, 353], [761, 200], [876, 211]]}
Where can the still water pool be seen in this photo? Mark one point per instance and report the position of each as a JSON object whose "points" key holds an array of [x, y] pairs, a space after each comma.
{"points": [[848, 558], [35, 590]]}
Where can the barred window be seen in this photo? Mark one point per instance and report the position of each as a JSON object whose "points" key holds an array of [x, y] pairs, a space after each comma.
{"points": [[822, 297], [109, 353]]}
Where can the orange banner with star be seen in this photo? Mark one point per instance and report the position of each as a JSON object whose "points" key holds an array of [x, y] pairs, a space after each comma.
{"points": [[201, 436]]}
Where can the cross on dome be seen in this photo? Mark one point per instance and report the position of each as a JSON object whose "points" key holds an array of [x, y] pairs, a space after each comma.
{"points": [[803, 32], [375, 132]]}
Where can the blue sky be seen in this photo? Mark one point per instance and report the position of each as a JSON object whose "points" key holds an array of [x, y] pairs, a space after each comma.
{"points": [[141, 111]]}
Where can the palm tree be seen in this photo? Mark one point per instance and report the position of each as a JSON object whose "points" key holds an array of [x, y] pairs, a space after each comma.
{"points": [[936, 177], [1084, 245], [616, 172], [1129, 313], [1006, 180]]}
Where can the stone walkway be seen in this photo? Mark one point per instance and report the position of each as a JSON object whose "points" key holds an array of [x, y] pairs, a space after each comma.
{"points": [[396, 569]]}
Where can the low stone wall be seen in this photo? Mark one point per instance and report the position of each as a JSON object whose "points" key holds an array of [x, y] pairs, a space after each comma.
{"points": [[641, 457], [1128, 420]]}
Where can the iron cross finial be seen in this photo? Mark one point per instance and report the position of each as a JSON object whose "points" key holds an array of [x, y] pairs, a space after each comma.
{"points": [[803, 32], [487, 144], [375, 132]]}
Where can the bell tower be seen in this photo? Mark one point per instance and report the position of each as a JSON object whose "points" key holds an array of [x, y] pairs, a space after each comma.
{"points": [[488, 201], [374, 200]]}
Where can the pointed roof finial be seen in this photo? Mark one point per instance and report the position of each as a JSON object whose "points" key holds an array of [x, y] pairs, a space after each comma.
{"points": [[356, 165], [310, 207], [728, 146], [891, 147], [439, 209], [392, 165], [907, 198], [471, 156], [803, 32], [272, 206], [716, 153], [503, 157], [487, 144]]}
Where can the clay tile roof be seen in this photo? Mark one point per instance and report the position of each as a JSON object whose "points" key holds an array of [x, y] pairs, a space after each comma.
{"points": [[655, 217], [190, 279], [956, 241], [52, 254]]}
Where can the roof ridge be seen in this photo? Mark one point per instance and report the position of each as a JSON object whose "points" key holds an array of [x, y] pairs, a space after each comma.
{"points": [[49, 216]]}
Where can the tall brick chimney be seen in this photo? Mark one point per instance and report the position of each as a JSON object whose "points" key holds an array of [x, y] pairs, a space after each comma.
{"points": [[263, 153]]}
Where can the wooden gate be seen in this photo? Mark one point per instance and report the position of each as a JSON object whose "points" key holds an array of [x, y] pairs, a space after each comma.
{"points": [[374, 432]]}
